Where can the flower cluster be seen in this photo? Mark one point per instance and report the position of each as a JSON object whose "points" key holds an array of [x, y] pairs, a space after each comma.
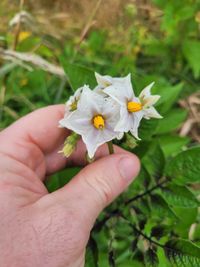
{"points": [[108, 111]]}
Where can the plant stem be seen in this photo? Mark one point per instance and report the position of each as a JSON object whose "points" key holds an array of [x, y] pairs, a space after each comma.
{"points": [[117, 211], [18, 26], [110, 147], [142, 234], [145, 193]]}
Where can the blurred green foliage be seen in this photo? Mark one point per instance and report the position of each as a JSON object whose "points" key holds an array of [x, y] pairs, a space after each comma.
{"points": [[149, 225]]}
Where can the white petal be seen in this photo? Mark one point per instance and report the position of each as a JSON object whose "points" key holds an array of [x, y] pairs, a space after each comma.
{"points": [[125, 122], [135, 133], [111, 110], [116, 94], [146, 91], [76, 122], [120, 136], [95, 138], [151, 113], [98, 89], [136, 119], [76, 95], [103, 81], [121, 90], [91, 140], [128, 86], [90, 103], [150, 101]]}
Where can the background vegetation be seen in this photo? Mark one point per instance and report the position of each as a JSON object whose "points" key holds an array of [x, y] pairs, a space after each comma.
{"points": [[156, 222]]}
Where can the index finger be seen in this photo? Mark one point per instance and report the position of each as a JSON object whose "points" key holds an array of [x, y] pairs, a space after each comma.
{"points": [[35, 140]]}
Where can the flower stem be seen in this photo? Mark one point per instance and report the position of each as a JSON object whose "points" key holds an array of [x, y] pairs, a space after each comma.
{"points": [[110, 147]]}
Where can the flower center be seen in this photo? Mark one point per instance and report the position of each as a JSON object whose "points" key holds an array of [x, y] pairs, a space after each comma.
{"points": [[134, 106], [73, 106], [98, 122]]}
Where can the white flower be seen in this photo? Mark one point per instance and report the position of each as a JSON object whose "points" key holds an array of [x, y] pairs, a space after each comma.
{"points": [[105, 81], [132, 108], [94, 119], [72, 102], [148, 100]]}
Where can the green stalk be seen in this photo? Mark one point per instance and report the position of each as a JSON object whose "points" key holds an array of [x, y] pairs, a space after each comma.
{"points": [[110, 147]]}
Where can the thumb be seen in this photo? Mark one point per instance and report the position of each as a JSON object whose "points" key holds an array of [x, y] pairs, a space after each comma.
{"points": [[98, 184]]}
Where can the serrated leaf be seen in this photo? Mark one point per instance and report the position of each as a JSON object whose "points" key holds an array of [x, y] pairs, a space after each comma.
{"points": [[181, 253], [185, 167], [151, 258], [179, 196], [78, 75]]}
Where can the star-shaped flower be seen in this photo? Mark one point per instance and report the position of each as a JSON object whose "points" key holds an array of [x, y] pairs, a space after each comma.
{"points": [[132, 108], [94, 119]]}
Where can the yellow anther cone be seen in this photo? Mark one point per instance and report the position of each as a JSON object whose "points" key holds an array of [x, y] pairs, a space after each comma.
{"points": [[99, 122], [134, 106]]}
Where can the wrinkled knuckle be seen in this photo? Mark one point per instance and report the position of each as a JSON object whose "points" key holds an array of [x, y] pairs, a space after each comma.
{"points": [[102, 188]]}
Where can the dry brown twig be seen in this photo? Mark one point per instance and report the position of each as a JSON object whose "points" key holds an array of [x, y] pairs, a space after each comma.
{"points": [[89, 24], [33, 59], [192, 124]]}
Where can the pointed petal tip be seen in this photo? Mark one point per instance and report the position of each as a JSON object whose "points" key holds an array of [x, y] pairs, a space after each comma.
{"points": [[97, 75]]}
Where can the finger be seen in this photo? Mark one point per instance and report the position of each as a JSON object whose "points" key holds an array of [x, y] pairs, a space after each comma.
{"points": [[33, 137], [35, 140], [97, 185], [56, 161]]}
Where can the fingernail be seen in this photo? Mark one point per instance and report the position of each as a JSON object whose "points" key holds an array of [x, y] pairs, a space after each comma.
{"points": [[129, 168]]}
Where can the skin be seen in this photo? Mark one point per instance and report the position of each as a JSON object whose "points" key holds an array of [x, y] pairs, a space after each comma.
{"points": [[42, 229]]}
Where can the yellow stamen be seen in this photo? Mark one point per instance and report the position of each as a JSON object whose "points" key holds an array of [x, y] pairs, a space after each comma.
{"points": [[134, 106], [73, 106], [98, 122]]}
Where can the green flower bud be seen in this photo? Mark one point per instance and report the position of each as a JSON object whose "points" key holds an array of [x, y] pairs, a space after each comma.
{"points": [[70, 144]]}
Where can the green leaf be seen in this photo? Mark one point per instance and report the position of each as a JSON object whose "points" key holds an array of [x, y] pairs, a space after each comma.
{"points": [[147, 129], [169, 95], [185, 167], [171, 121], [179, 196], [78, 75], [181, 253], [172, 144], [154, 161], [191, 50], [92, 254], [151, 258], [160, 207], [52, 183]]}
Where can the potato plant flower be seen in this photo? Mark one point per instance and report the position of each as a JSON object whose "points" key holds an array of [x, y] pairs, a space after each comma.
{"points": [[107, 112], [132, 108], [94, 119]]}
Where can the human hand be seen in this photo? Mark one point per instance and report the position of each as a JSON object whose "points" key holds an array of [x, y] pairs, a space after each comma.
{"points": [[42, 229]]}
